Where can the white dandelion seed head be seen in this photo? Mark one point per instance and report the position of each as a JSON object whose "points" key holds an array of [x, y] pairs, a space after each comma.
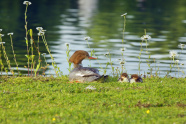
{"points": [[39, 28], [123, 49], [2, 35], [122, 62], [66, 44], [176, 61], [106, 54], [41, 33], [2, 43], [124, 14], [43, 30], [87, 38], [145, 37], [182, 64], [173, 53], [181, 46], [43, 54], [27, 3], [10, 33], [90, 87]]}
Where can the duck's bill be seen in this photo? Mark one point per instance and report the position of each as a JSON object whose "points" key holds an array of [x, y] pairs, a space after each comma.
{"points": [[91, 57]]}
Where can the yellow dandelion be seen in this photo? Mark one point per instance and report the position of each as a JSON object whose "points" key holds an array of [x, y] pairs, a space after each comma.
{"points": [[53, 119], [148, 111]]}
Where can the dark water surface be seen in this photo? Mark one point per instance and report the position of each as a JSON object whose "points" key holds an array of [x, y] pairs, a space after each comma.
{"points": [[69, 21]]}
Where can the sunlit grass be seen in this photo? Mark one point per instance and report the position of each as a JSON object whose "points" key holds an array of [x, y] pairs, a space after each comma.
{"points": [[53, 100]]}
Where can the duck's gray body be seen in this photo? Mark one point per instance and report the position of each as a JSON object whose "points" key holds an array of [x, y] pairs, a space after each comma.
{"points": [[84, 74], [80, 73]]}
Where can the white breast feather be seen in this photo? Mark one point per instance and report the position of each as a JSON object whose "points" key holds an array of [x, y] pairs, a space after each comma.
{"points": [[132, 80], [125, 80]]}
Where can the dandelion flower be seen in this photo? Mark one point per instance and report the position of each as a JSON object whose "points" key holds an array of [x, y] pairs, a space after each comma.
{"points": [[122, 62], [124, 14], [181, 46], [90, 87], [87, 38], [173, 54], [2, 43], [106, 54], [43, 54], [145, 37], [53, 119], [43, 30], [27, 3], [2, 35], [176, 61], [182, 64], [39, 28], [67, 44], [1, 30], [148, 111], [123, 49], [41, 33], [10, 33]]}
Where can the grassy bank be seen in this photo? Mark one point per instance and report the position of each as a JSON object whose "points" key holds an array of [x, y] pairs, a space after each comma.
{"points": [[53, 100]]}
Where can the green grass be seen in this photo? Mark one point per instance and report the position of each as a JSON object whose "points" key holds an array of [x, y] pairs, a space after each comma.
{"points": [[52, 100]]}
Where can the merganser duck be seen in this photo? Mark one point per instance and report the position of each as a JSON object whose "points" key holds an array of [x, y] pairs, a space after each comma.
{"points": [[124, 78], [82, 74], [135, 78]]}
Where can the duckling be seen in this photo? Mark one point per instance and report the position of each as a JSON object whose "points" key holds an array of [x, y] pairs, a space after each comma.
{"points": [[135, 78], [124, 78]]}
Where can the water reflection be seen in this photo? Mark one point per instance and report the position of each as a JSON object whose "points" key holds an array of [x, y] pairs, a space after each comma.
{"points": [[70, 21]]}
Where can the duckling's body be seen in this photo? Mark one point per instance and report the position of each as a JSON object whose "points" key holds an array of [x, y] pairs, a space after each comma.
{"points": [[135, 78], [124, 78]]}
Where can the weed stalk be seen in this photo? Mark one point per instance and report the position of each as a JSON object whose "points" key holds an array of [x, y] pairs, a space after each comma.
{"points": [[6, 57], [14, 54], [57, 70], [68, 57], [123, 49], [1, 62], [26, 38]]}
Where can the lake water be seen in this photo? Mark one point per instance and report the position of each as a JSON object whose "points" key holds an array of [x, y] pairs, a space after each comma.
{"points": [[70, 21]]}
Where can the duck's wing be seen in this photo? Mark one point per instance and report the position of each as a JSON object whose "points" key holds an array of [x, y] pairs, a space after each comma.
{"points": [[84, 74], [140, 80]]}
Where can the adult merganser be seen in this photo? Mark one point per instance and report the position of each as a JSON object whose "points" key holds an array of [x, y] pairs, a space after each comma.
{"points": [[124, 78], [135, 78], [82, 74]]}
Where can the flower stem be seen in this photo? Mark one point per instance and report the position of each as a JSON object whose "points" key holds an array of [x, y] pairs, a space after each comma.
{"points": [[27, 36], [14, 55]]}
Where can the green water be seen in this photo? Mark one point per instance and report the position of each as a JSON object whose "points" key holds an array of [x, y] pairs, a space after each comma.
{"points": [[69, 21]]}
